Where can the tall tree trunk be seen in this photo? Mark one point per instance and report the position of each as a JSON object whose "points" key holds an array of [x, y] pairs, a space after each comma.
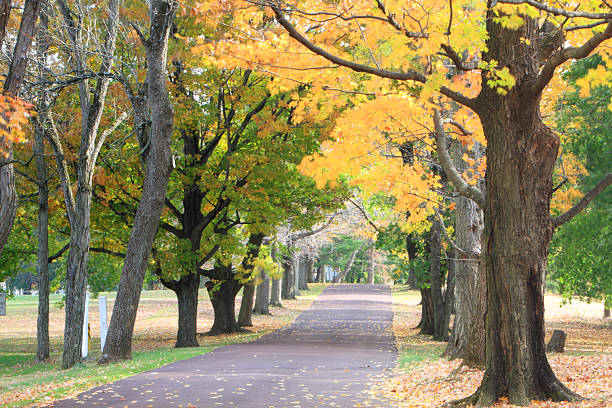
{"points": [[441, 310], [186, 290], [14, 79], [347, 267], [223, 299], [521, 153], [246, 306], [159, 161], [262, 298], [42, 326], [468, 334], [305, 271], [371, 266], [427, 323], [275, 293], [288, 290], [223, 292], [319, 275], [312, 273]]}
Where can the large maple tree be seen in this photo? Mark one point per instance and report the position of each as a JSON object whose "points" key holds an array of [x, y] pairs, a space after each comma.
{"points": [[506, 54]]}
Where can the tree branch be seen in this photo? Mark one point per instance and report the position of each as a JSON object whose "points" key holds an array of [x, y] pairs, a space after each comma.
{"points": [[58, 254], [108, 252], [559, 11], [463, 254], [582, 204], [383, 73], [462, 187], [548, 70], [365, 215]]}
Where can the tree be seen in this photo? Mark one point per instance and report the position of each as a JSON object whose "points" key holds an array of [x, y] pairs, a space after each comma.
{"points": [[514, 54], [78, 203], [158, 163]]}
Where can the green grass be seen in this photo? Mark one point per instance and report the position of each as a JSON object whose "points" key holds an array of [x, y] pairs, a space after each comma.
{"points": [[18, 373]]}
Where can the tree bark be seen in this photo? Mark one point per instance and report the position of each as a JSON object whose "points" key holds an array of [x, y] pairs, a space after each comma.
{"points": [[427, 323], [262, 298], [440, 308], [468, 334], [347, 267], [223, 292], [521, 153], [288, 289], [159, 161], [223, 299], [246, 306], [312, 273], [305, 271], [186, 290], [42, 326], [277, 284]]}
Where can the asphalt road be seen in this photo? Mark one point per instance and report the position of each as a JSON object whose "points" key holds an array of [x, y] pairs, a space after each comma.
{"points": [[329, 357]]}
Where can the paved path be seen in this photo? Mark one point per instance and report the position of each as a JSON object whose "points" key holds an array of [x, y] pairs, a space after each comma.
{"points": [[327, 358]]}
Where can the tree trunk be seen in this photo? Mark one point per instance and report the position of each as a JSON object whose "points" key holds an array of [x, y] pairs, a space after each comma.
{"points": [[305, 272], [312, 272], [186, 290], [468, 335], [262, 298], [319, 275], [440, 308], [288, 290], [223, 299], [371, 266], [42, 326], [427, 324], [557, 342], [275, 293], [521, 153], [14, 79], [246, 306], [347, 267], [119, 339], [606, 313]]}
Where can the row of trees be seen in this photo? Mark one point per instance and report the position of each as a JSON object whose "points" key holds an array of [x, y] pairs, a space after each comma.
{"points": [[486, 71], [169, 154], [433, 117]]}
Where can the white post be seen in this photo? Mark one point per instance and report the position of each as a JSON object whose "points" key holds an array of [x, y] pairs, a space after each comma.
{"points": [[85, 342], [103, 322]]}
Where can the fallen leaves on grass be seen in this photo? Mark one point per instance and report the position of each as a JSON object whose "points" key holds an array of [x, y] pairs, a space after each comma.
{"points": [[432, 384]]}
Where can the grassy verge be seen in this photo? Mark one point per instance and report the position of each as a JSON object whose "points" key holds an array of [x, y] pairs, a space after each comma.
{"points": [[23, 382], [412, 347]]}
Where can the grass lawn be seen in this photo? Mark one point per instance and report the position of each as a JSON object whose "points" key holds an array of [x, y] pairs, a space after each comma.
{"points": [[23, 382], [424, 379]]}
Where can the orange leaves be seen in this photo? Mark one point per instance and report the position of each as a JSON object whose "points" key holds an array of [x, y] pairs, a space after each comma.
{"points": [[14, 114]]}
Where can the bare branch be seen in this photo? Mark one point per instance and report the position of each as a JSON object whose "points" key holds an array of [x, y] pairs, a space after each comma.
{"points": [[559, 11], [582, 204], [462, 187], [463, 254], [365, 215]]}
